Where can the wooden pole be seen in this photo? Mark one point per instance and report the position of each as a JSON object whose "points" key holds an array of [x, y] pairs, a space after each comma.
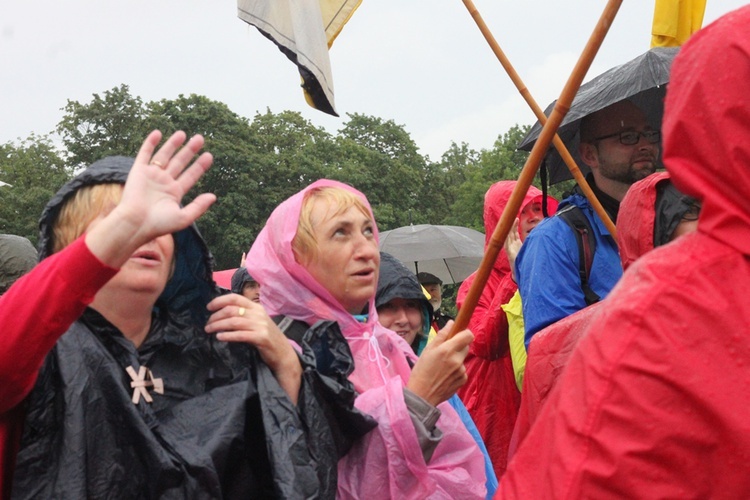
{"points": [[532, 163], [557, 142]]}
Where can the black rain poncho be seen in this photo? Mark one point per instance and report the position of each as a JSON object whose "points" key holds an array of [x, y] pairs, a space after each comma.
{"points": [[223, 428]]}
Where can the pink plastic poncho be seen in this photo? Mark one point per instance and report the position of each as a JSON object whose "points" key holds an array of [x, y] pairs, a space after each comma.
{"points": [[388, 461]]}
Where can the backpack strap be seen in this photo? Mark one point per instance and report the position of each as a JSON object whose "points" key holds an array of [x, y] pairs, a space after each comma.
{"points": [[579, 223], [293, 329]]}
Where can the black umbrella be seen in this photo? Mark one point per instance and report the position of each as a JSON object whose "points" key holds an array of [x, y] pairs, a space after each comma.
{"points": [[642, 80]]}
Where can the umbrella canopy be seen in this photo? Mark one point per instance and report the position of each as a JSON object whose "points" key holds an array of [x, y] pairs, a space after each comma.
{"points": [[449, 252], [642, 80]]}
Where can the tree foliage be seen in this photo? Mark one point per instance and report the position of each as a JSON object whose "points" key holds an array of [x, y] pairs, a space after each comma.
{"points": [[112, 124], [259, 162], [502, 162], [33, 171]]}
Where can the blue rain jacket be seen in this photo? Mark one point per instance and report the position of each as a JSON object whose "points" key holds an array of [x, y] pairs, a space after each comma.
{"points": [[547, 268]]}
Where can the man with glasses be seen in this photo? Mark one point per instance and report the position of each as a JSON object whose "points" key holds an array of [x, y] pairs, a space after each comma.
{"points": [[620, 148]]}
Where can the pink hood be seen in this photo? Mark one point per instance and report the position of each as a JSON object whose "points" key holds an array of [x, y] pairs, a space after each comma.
{"points": [[289, 289]]}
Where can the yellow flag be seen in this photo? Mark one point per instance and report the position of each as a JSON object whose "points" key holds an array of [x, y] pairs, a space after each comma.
{"points": [[335, 15], [303, 30], [675, 21]]}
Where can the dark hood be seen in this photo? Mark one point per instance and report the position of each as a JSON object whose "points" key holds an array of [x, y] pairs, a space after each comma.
{"points": [[396, 281], [239, 279], [191, 286], [17, 257], [706, 126]]}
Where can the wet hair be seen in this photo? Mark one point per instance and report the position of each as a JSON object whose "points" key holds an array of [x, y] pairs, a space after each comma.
{"points": [[587, 130], [304, 244], [79, 210]]}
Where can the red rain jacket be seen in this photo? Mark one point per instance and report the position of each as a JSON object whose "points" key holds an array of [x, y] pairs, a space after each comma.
{"points": [[654, 402], [550, 349], [491, 394]]}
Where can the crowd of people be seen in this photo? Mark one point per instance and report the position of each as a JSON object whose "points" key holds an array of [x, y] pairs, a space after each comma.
{"points": [[592, 367]]}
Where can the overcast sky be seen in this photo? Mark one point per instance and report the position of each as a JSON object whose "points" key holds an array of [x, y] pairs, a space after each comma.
{"points": [[421, 63]]}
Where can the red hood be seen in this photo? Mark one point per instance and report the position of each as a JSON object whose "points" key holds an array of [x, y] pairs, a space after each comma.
{"points": [[707, 124], [635, 220], [496, 199]]}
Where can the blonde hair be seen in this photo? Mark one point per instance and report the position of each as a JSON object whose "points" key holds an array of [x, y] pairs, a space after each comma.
{"points": [[79, 210], [304, 244]]}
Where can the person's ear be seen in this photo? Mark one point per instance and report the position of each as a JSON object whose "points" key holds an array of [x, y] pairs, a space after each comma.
{"points": [[589, 154]]}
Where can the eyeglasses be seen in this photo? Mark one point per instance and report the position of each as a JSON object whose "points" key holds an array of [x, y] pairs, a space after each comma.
{"points": [[631, 137]]}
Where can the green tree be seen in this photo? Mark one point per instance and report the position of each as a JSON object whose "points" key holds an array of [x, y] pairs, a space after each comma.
{"points": [[290, 153], [285, 153], [444, 180], [502, 162], [380, 159], [561, 189], [113, 124], [259, 163], [34, 171]]}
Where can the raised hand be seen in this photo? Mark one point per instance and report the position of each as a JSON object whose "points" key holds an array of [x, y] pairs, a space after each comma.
{"points": [[440, 371], [150, 203], [158, 181], [512, 247], [238, 319]]}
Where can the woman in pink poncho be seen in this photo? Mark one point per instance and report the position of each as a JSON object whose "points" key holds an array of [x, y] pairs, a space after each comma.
{"points": [[317, 259]]}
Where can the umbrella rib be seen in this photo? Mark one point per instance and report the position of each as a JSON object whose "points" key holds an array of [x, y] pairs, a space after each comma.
{"points": [[449, 270]]}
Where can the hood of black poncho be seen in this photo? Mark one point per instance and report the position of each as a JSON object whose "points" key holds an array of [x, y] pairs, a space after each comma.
{"points": [[396, 281], [191, 286]]}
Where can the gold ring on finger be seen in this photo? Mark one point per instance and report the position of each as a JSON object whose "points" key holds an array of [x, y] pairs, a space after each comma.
{"points": [[157, 163], [241, 312]]}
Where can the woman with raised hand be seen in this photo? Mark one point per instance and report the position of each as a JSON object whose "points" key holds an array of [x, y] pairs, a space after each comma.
{"points": [[317, 259], [159, 388]]}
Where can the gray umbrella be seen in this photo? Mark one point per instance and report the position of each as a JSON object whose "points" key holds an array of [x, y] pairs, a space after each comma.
{"points": [[449, 252], [642, 80]]}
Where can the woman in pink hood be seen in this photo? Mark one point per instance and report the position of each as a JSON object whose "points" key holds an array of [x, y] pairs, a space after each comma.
{"points": [[317, 259]]}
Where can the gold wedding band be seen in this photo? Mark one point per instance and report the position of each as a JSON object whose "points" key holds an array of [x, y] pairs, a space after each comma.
{"points": [[241, 312], [157, 163]]}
